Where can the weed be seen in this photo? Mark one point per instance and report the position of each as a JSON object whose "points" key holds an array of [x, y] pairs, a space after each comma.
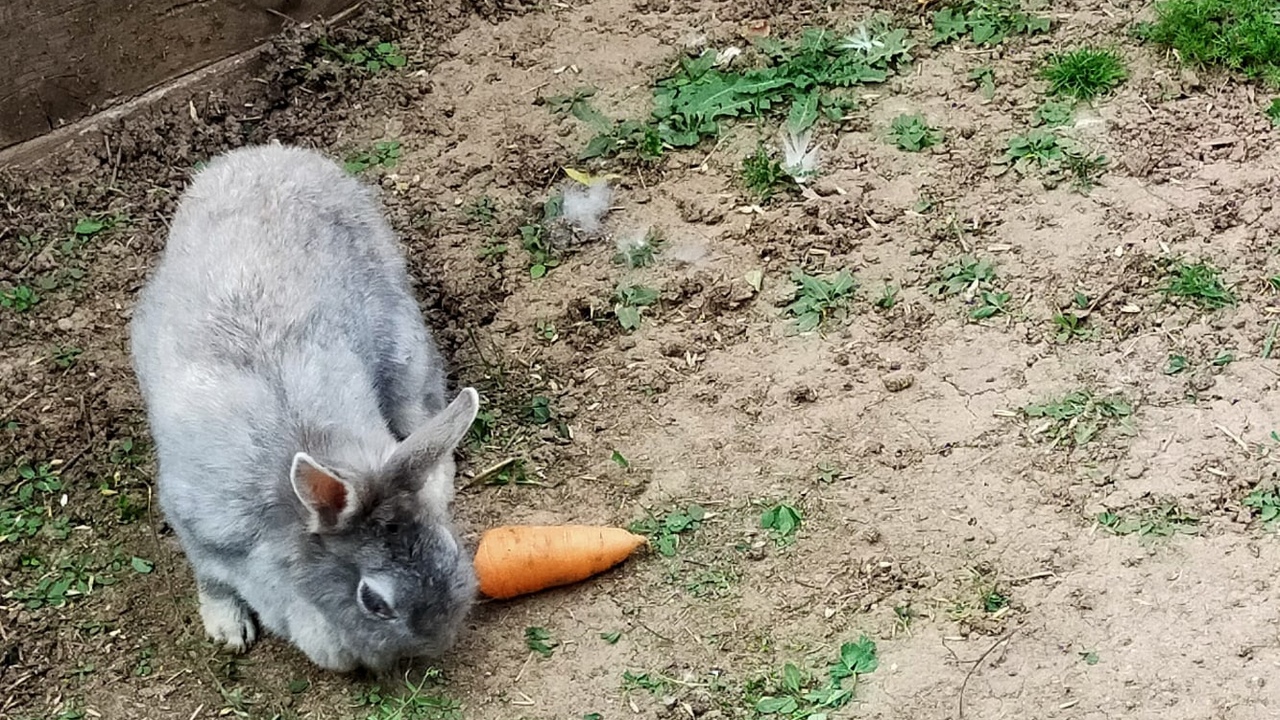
{"points": [[19, 299], [763, 175], [798, 694], [1084, 73], [985, 79], [1084, 169], [1053, 113], [1266, 503], [711, 583], [628, 300], [1223, 358], [782, 521], [65, 356], [1273, 111], [990, 303], [144, 668], [912, 133], [665, 532], [546, 331], [1159, 521], [804, 78], [536, 239], [611, 637], [373, 58], [62, 582], [1037, 147], [818, 300], [24, 510], [540, 410], [985, 22], [1200, 283], [483, 211], [415, 705], [644, 681], [539, 640], [1071, 326], [1089, 657], [512, 472], [965, 274], [1176, 364], [1241, 35], [620, 460], [1077, 417], [385, 154], [993, 601], [639, 252], [888, 297]]}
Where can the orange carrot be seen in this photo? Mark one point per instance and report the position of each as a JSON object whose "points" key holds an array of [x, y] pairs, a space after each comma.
{"points": [[520, 559]]}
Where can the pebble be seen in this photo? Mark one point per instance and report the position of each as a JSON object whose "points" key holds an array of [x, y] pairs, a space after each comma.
{"points": [[897, 381]]}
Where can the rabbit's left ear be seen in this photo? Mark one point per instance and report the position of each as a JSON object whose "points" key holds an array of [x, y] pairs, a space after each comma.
{"points": [[328, 499]]}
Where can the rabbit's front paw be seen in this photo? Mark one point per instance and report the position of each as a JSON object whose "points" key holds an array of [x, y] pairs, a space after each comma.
{"points": [[228, 620]]}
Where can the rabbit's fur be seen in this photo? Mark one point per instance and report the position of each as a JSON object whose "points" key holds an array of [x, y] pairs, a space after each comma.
{"points": [[296, 400]]}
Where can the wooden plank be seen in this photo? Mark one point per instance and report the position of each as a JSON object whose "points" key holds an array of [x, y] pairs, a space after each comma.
{"points": [[62, 60]]}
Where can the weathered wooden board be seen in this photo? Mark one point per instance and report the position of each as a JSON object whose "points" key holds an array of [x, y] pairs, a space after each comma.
{"points": [[62, 60]]}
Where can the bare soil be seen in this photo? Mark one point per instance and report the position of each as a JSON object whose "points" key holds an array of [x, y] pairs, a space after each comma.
{"points": [[937, 520]]}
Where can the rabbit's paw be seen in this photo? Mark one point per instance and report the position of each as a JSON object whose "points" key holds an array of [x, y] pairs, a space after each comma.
{"points": [[228, 620]]}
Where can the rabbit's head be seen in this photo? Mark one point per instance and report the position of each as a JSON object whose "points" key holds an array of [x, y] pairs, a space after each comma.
{"points": [[380, 560]]}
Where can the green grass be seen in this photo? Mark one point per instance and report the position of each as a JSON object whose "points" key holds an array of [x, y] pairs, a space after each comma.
{"points": [[1200, 283], [818, 301], [1072, 324], [782, 521], [763, 175], [1078, 417], [1037, 147], [803, 79], [913, 133], [1054, 113], [384, 154], [539, 640], [414, 703], [629, 301], [1273, 111], [1265, 503], [989, 304], [965, 273], [1084, 73], [1240, 35], [985, 22]]}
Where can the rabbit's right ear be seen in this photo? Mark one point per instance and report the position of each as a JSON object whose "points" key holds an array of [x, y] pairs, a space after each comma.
{"points": [[329, 500], [438, 438]]}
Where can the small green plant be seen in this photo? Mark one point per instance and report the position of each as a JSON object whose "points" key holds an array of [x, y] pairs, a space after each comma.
{"points": [[620, 460], [88, 227], [373, 58], [985, 79], [799, 695], [1176, 364], [763, 175], [415, 704], [1084, 73], [993, 601], [540, 410], [629, 300], [1273, 111], [1089, 657], [1037, 147], [1201, 283], [965, 274], [985, 22], [1223, 358], [1266, 503], [652, 682], [1069, 325], [990, 303], [611, 637], [782, 521], [535, 237], [1154, 522], [1053, 113], [539, 640], [888, 297], [639, 252], [546, 331], [1240, 35], [665, 532], [65, 356], [483, 211], [1078, 417], [820, 300], [19, 299], [912, 133], [385, 154], [1084, 169]]}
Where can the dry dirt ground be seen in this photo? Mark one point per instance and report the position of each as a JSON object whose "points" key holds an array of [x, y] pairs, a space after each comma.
{"points": [[937, 518]]}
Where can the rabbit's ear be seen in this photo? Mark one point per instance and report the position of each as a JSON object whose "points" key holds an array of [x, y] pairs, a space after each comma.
{"points": [[329, 500], [438, 438]]}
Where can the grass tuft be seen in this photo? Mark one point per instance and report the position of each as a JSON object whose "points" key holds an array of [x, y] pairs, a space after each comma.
{"points": [[1240, 35], [1084, 73]]}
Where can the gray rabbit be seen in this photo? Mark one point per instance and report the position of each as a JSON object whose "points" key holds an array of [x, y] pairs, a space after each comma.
{"points": [[296, 400]]}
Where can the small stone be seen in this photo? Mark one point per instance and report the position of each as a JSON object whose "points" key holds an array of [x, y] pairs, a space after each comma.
{"points": [[1202, 381], [1134, 470], [897, 381], [824, 187]]}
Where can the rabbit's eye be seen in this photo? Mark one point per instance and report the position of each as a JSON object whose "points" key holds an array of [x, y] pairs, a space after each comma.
{"points": [[373, 603]]}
